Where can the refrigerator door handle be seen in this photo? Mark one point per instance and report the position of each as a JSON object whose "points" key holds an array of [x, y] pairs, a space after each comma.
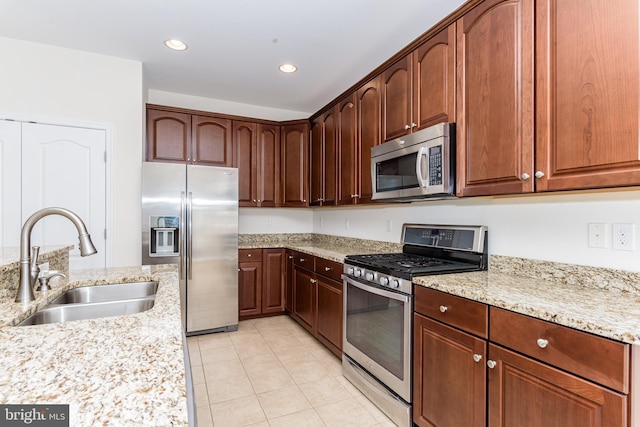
{"points": [[190, 235], [183, 214]]}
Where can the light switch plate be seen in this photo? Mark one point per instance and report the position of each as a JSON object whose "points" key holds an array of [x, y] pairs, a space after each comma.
{"points": [[597, 235]]}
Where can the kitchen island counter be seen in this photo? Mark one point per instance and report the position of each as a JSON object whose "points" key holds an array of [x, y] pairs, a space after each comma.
{"points": [[124, 370]]}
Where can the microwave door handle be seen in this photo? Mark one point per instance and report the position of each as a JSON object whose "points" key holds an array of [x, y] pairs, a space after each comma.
{"points": [[421, 152]]}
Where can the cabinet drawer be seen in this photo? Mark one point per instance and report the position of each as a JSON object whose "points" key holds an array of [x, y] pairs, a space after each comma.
{"points": [[331, 269], [249, 255], [304, 260], [462, 313], [598, 359]]}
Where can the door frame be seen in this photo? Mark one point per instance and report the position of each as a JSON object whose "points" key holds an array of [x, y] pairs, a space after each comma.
{"points": [[109, 164]]}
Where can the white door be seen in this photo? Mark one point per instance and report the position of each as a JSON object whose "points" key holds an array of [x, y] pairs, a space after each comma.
{"points": [[65, 167], [10, 201]]}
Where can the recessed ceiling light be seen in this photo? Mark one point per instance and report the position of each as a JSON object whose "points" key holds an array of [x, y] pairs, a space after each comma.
{"points": [[175, 44], [288, 68]]}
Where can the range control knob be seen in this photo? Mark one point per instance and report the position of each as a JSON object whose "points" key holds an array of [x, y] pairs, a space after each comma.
{"points": [[394, 283], [384, 281], [369, 276], [357, 272], [350, 271]]}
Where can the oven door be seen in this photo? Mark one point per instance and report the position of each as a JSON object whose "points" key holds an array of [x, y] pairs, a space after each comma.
{"points": [[377, 333]]}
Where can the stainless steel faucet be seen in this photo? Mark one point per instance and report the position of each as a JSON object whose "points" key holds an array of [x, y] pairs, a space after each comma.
{"points": [[25, 289]]}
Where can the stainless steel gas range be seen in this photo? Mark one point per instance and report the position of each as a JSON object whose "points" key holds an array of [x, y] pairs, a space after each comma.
{"points": [[378, 308]]}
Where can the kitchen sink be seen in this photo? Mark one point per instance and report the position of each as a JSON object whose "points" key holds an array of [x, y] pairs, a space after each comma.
{"points": [[55, 313], [110, 292]]}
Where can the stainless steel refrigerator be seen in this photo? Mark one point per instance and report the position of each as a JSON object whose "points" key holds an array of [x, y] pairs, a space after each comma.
{"points": [[190, 218]]}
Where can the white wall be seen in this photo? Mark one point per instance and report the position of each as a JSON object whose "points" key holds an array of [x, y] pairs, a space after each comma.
{"points": [[549, 227], [223, 107], [46, 83], [275, 220]]}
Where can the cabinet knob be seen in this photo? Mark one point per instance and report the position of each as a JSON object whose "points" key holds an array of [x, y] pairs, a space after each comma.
{"points": [[414, 125], [525, 176], [477, 357], [301, 259], [491, 364], [313, 280], [355, 195], [327, 269], [248, 255], [443, 308], [290, 256], [304, 200], [542, 343], [539, 174], [255, 201], [407, 127]]}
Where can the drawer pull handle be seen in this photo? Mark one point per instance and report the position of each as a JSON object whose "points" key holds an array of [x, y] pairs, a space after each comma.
{"points": [[301, 259], [477, 357], [491, 363], [542, 343], [443, 308], [327, 268]]}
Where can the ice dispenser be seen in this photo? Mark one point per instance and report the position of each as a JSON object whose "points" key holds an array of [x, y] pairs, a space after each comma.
{"points": [[165, 238]]}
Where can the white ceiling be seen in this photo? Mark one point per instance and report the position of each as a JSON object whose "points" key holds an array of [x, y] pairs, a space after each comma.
{"points": [[235, 46]]}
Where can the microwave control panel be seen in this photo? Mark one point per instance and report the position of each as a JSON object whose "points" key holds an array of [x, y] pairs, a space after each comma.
{"points": [[435, 165]]}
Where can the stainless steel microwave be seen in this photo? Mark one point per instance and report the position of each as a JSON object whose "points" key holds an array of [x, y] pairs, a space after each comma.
{"points": [[417, 166]]}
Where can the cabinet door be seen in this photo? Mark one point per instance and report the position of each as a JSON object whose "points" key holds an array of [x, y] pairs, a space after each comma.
{"points": [[495, 98], [289, 279], [249, 288], [273, 268], [268, 165], [349, 167], [448, 382], [211, 141], [434, 79], [316, 163], [168, 136], [368, 102], [245, 137], [304, 297], [587, 94], [523, 391], [396, 99], [329, 314], [330, 159], [294, 165]]}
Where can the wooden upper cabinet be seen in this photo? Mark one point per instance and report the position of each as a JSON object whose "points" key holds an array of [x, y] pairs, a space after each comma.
{"points": [[268, 165], [294, 165], [368, 106], [258, 163], [495, 98], [434, 79], [211, 141], [245, 137], [168, 136], [587, 94], [348, 155], [396, 99], [323, 162]]}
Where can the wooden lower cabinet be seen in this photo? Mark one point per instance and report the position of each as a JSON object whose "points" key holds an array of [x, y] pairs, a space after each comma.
{"points": [[318, 299], [261, 282], [449, 384], [305, 299], [525, 392], [528, 372]]}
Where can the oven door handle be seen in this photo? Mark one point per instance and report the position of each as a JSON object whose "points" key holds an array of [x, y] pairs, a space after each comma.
{"points": [[374, 290]]}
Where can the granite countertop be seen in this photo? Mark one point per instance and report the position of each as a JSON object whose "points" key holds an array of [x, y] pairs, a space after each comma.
{"points": [[125, 370], [610, 313]]}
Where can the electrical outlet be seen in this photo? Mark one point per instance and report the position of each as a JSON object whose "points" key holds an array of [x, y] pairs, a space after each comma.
{"points": [[623, 237], [597, 235]]}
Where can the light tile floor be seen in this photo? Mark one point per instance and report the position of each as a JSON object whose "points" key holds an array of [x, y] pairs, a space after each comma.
{"points": [[272, 373]]}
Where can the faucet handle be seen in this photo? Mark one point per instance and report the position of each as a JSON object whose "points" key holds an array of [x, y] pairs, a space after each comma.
{"points": [[43, 280]]}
